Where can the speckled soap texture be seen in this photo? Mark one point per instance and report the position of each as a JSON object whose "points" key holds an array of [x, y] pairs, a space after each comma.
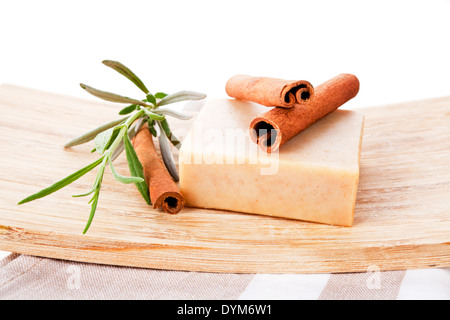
{"points": [[313, 177]]}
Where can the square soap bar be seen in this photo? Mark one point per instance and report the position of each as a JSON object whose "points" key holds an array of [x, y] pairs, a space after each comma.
{"points": [[312, 177]]}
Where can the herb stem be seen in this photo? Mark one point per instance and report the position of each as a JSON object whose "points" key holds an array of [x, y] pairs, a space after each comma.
{"points": [[123, 131], [115, 136]]}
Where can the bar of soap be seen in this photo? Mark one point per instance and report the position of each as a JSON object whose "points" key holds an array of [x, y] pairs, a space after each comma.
{"points": [[313, 177]]}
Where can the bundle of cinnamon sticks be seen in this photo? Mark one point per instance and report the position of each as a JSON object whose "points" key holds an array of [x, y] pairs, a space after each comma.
{"points": [[297, 104]]}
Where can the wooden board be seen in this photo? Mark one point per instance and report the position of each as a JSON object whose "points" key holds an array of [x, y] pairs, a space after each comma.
{"points": [[402, 217]]}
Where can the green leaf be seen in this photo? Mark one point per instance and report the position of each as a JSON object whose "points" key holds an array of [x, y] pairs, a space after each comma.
{"points": [[152, 129], [94, 199], [125, 71], [160, 95], [128, 109], [104, 139], [173, 113], [94, 203], [122, 178], [108, 96], [181, 96], [84, 194], [93, 133], [151, 98], [167, 156], [154, 116], [136, 169], [165, 126], [62, 183]]}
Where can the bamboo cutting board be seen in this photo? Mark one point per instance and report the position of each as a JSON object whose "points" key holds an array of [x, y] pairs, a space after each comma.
{"points": [[402, 216]]}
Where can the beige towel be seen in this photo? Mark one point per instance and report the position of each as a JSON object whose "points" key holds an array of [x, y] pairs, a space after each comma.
{"points": [[27, 277]]}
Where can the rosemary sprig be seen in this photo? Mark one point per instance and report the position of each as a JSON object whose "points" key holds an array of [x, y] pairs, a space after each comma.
{"points": [[115, 136]]}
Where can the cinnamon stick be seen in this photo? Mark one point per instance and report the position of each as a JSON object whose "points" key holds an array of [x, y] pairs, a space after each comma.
{"points": [[164, 192], [271, 92], [278, 125]]}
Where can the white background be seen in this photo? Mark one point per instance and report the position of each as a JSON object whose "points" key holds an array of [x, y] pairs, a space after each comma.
{"points": [[400, 50]]}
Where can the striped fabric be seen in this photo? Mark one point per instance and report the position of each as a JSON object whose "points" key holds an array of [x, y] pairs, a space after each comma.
{"points": [[28, 277]]}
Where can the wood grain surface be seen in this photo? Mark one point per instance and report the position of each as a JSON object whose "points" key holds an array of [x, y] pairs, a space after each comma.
{"points": [[402, 217]]}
